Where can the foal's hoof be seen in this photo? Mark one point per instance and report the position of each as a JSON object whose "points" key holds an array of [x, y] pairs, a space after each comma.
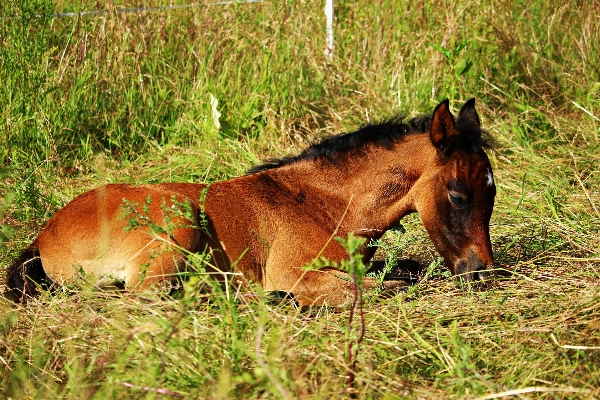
{"points": [[392, 287], [11, 296], [409, 267], [281, 298]]}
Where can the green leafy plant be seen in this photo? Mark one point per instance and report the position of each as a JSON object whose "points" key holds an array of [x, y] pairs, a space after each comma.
{"points": [[455, 59], [133, 89], [356, 268]]}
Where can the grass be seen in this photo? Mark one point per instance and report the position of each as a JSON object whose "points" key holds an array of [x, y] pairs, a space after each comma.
{"points": [[130, 98]]}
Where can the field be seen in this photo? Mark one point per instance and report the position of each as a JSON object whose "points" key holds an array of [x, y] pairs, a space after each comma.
{"points": [[201, 94]]}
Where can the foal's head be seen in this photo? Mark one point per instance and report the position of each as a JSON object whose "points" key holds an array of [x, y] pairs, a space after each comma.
{"points": [[455, 199]]}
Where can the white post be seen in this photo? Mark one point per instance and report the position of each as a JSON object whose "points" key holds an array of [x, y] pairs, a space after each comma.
{"points": [[329, 31]]}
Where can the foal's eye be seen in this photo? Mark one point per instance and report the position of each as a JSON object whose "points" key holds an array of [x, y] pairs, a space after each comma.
{"points": [[458, 199]]}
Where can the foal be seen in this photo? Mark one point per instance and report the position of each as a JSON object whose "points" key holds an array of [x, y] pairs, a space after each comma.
{"points": [[270, 224]]}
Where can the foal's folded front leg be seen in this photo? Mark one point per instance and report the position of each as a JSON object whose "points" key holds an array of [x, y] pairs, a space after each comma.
{"points": [[327, 286]]}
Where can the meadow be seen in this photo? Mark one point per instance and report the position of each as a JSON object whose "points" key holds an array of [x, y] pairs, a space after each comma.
{"points": [[203, 93]]}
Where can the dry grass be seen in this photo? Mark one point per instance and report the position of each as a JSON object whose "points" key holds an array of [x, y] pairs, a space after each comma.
{"points": [[125, 98]]}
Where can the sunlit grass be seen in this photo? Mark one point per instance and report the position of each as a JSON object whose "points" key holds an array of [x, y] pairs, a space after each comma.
{"points": [[127, 98]]}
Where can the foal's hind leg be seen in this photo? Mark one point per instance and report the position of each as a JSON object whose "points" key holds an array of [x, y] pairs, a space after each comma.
{"points": [[140, 243], [162, 259]]}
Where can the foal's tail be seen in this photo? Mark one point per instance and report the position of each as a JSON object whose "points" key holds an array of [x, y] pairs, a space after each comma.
{"points": [[26, 275]]}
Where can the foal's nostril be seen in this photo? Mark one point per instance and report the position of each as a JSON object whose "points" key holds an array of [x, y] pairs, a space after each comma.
{"points": [[479, 273]]}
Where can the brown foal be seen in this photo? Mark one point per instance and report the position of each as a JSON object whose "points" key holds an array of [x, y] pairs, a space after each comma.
{"points": [[269, 225]]}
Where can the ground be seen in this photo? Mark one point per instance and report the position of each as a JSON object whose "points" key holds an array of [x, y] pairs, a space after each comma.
{"points": [[201, 94]]}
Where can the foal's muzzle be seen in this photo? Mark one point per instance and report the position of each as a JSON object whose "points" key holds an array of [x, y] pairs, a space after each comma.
{"points": [[471, 268]]}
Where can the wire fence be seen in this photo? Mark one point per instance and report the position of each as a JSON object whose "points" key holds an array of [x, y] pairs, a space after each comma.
{"points": [[138, 9], [329, 13]]}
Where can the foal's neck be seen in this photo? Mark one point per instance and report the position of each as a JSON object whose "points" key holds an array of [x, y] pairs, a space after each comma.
{"points": [[370, 189]]}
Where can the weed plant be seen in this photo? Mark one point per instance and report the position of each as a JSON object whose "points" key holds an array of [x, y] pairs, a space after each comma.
{"points": [[200, 94]]}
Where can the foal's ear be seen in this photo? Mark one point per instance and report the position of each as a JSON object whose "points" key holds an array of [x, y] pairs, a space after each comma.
{"points": [[443, 127], [468, 119]]}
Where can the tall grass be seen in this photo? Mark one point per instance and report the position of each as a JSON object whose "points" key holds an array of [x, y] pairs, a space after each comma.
{"points": [[136, 97], [121, 82]]}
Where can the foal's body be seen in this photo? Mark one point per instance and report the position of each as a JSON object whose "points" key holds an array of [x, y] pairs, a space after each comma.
{"points": [[270, 224]]}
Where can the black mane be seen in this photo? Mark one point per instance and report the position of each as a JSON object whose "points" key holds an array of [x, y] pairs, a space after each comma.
{"points": [[384, 134]]}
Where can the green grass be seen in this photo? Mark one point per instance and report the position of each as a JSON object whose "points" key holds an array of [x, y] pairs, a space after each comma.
{"points": [[127, 98]]}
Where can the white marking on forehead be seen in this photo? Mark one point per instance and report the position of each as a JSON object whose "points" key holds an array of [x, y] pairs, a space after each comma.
{"points": [[490, 178]]}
